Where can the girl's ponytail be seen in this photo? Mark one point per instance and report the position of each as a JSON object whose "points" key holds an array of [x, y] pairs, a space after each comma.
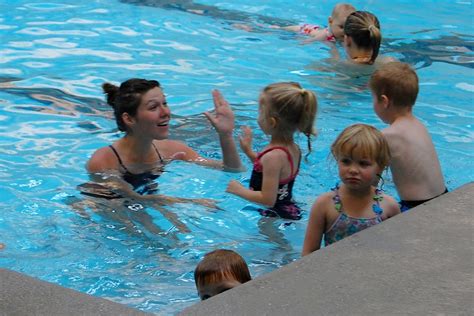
{"points": [[375, 39], [308, 115]]}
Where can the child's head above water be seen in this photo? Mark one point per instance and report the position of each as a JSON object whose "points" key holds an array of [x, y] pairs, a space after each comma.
{"points": [[219, 271], [361, 141], [338, 18], [397, 82], [362, 32], [286, 107]]}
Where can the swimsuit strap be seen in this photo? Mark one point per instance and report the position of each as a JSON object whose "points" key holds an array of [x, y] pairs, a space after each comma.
{"points": [[336, 198], [378, 197], [290, 160], [156, 149], [376, 208], [119, 159]]}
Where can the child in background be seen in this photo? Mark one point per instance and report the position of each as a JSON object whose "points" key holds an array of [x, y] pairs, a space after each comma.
{"points": [[219, 271], [284, 108], [415, 166], [362, 37], [362, 154], [334, 31]]}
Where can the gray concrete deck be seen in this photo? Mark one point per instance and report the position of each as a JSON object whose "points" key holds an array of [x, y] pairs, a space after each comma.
{"points": [[417, 263], [22, 295]]}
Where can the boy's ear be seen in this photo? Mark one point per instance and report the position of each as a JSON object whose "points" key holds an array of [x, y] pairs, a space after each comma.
{"points": [[330, 20], [385, 101]]}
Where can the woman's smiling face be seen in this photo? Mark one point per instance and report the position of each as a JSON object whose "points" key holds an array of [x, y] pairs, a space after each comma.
{"points": [[153, 115]]}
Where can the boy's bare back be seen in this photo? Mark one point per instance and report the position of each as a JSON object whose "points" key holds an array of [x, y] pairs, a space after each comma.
{"points": [[415, 166]]}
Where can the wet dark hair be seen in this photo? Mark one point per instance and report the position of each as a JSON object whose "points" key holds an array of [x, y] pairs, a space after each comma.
{"points": [[364, 29], [127, 97]]}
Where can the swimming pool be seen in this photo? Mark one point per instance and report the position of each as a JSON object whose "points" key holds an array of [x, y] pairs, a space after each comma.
{"points": [[55, 55]]}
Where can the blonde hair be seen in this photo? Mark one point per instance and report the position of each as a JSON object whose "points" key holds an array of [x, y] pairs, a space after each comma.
{"points": [[342, 9], [362, 141], [398, 81], [364, 29], [293, 107], [219, 265]]}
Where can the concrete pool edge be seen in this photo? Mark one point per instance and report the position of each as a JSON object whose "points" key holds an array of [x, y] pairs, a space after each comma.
{"points": [[420, 262], [417, 263], [23, 295]]}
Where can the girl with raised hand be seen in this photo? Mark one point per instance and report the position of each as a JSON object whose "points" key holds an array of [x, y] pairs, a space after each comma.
{"points": [[284, 109]]}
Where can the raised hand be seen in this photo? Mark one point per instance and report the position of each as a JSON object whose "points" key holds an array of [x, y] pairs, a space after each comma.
{"points": [[223, 118], [245, 139]]}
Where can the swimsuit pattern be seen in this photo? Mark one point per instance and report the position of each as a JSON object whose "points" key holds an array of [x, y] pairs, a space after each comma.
{"points": [[308, 28], [344, 226], [284, 206]]}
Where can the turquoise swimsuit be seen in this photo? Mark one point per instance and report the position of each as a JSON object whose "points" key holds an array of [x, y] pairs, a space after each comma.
{"points": [[345, 225]]}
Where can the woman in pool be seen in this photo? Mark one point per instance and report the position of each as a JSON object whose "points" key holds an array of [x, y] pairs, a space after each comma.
{"points": [[362, 37], [141, 111]]}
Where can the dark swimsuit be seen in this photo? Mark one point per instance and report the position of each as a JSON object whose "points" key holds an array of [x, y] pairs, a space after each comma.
{"points": [[284, 206], [142, 183], [406, 205]]}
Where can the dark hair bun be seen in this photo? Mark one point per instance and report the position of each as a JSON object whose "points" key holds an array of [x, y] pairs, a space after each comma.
{"points": [[111, 91]]}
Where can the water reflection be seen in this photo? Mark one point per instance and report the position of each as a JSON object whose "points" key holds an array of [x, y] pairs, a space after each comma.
{"points": [[230, 16]]}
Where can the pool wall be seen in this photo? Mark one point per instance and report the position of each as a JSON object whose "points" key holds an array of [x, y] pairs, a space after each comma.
{"points": [[417, 263], [420, 262]]}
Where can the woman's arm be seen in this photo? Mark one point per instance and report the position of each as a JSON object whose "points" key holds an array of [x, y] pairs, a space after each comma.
{"points": [[316, 227], [223, 121]]}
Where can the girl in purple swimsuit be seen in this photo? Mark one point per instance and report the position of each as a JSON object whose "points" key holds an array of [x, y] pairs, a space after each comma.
{"points": [[284, 108], [362, 154]]}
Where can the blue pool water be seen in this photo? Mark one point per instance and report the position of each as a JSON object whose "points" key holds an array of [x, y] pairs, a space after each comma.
{"points": [[55, 55]]}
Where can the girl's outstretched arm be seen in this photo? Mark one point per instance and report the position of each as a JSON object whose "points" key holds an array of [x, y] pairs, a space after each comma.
{"points": [[316, 226]]}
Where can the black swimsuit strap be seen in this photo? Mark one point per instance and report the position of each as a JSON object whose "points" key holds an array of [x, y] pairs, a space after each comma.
{"points": [[119, 159], [156, 149]]}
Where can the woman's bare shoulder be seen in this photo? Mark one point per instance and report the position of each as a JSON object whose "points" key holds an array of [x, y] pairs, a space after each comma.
{"points": [[101, 160]]}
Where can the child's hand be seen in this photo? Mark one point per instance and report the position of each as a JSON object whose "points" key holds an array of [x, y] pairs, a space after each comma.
{"points": [[245, 139], [234, 187], [223, 120]]}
